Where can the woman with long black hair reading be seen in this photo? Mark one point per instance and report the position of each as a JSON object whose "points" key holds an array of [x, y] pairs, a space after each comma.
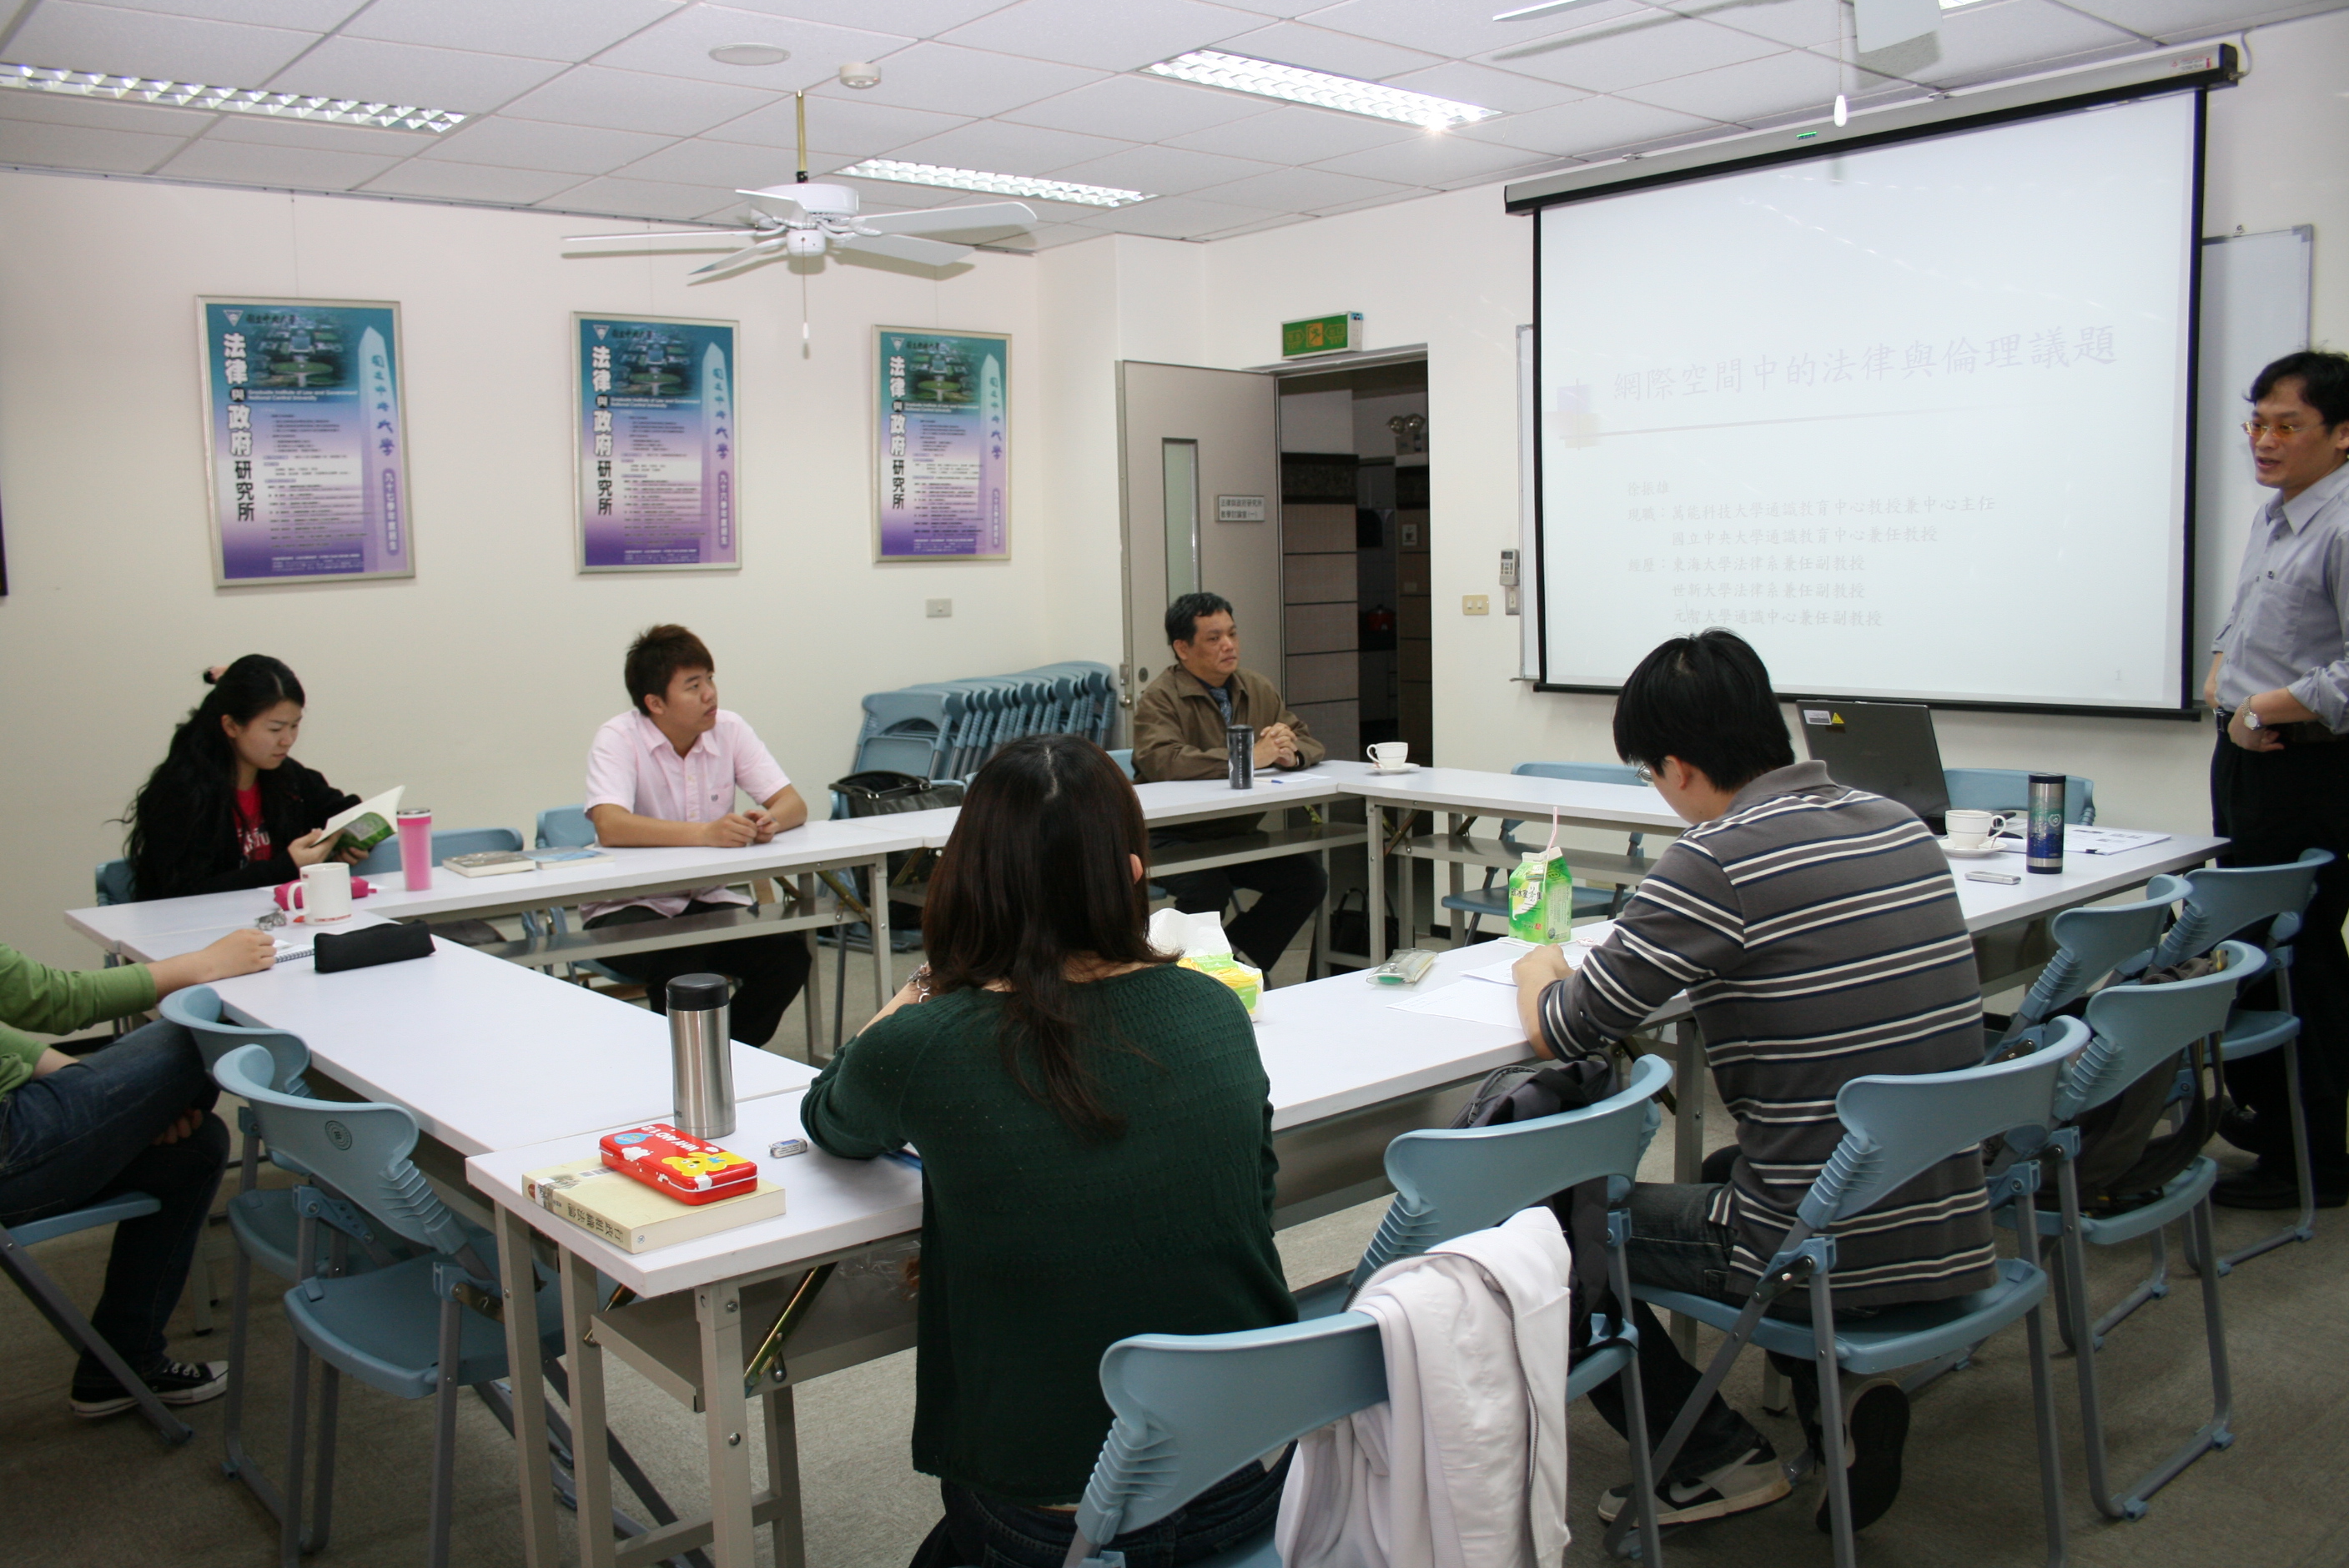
{"points": [[1096, 1149], [228, 807]]}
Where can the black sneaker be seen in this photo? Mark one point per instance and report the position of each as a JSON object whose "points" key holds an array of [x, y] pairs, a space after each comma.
{"points": [[1875, 1431], [174, 1382], [1753, 1479]]}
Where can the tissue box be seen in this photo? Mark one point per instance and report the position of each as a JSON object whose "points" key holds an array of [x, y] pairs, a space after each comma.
{"points": [[1203, 946], [1246, 980]]}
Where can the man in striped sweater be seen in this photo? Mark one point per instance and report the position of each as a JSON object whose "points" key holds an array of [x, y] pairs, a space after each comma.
{"points": [[1818, 933]]}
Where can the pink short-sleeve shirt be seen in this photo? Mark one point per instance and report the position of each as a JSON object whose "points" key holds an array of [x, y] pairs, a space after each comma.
{"points": [[631, 765]]}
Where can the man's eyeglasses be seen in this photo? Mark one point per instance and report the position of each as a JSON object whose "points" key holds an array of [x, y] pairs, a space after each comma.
{"points": [[1645, 774], [2255, 428]]}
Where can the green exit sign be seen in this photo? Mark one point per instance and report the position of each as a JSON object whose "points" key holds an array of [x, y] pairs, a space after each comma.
{"points": [[1321, 334]]}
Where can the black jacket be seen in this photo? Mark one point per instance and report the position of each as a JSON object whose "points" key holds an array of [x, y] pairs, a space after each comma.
{"points": [[295, 800]]}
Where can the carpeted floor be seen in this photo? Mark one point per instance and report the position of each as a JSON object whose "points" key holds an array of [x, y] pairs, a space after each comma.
{"points": [[108, 1492]]}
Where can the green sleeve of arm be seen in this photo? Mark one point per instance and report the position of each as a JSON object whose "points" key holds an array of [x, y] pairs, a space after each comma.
{"points": [[58, 1001], [854, 1109], [19, 1054]]}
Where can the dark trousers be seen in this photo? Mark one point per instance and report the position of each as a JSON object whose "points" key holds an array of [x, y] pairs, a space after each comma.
{"points": [[1289, 889], [770, 969], [87, 1131], [2273, 805], [984, 1532]]}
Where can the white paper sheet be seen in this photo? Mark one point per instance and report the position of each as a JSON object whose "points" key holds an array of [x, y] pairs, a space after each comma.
{"points": [[1492, 1005], [2080, 841]]}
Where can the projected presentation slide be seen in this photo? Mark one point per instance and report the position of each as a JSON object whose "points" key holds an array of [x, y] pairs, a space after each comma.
{"points": [[1912, 419]]}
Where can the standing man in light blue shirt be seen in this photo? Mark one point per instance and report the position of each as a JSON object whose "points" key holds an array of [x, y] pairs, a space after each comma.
{"points": [[2278, 682]]}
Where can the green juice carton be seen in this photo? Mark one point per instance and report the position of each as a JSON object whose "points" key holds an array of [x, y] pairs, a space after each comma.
{"points": [[1541, 898]]}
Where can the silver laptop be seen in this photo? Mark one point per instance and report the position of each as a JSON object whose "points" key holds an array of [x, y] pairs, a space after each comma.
{"points": [[1884, 748]]}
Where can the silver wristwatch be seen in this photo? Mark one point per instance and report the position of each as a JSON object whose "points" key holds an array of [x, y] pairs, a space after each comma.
{"points": [[2250, 718]]}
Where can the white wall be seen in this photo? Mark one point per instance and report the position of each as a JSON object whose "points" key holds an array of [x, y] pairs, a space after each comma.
{"points": [[477, 683]]}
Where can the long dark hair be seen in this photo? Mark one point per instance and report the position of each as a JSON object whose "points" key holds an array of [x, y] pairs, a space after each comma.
{"points": [[185, 814], [1038, 872]]}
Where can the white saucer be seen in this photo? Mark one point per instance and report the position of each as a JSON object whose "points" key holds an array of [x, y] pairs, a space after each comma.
{"points": [[2000, 846], [1379, 772]]}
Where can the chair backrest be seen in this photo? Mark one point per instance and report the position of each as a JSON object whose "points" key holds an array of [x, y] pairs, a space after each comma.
{"points": [[1579, 773], [2219, 904], [384, 859], [358, 1149], [1449, 1182], [921, 756], [565, 828], [1193, 1408], [1897, 1128], [2140, 1028], [1123, 757], [2091, 944], [114, 883], [2009, 789], [198, 1010]]}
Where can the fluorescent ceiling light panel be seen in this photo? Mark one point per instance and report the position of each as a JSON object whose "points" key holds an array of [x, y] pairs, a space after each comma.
{"points": [[231, 101], [1293, 84], [993, 184]]}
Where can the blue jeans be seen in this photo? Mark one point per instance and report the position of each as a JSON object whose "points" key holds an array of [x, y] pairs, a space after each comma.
{"points": [[983, 1532], [86, 1131]]}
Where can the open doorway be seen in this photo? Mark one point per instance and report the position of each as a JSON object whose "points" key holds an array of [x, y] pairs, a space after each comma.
{"points": [[1354, 543]]}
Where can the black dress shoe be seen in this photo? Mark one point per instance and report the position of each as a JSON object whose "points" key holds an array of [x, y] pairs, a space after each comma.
{"points": [[2264, 1189]]}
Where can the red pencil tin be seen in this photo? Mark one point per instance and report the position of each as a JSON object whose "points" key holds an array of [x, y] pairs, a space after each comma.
{"points": [[687, 1169]]}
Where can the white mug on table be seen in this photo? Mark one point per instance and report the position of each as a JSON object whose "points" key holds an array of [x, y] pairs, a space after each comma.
{"points": [[1973, 829], [324, 893], [1389, 756]]}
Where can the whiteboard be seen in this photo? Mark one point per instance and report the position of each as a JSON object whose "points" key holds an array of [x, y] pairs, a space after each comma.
{"points": [[2255, 294]]}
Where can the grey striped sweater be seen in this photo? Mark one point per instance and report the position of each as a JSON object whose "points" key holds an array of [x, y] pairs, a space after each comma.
{"points": [[1818, 936]]}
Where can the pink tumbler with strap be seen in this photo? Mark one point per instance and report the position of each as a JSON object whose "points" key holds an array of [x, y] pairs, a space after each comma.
{"points": [[416, 850]]}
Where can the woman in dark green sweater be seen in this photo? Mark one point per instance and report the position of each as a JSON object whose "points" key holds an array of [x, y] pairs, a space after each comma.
{"points": [[1096, 1151]]}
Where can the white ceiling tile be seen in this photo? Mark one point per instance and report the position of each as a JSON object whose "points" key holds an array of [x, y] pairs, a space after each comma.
{"points": [[1430, 159], [1805, 23], [43, 146], [912, 18], [1047, 236], [837, 121], [1631, 52], [1503, 176], [1176, 217], [271, 131], [2178, 21], [1319, 50], [1280, 221], [409, 73], [730, 165], [1304, 191], [631, 100], [945, 79], [680, 46], [1458, 31], [302, 15], [1161, 170], [146, 43], [1122, 37], [1408, 192], [643, 199], [249, 163], [505, 143], [1463, 82], [545, 29], [1140, 109], [1574, 129], [1753, 90], [1276, 8], [1002, 148], [1979, 44], [1295, 134], [470, 182], [104, 114]]}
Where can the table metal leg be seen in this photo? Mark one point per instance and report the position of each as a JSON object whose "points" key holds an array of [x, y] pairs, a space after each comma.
{"points": [[591, 1469], [534, 1470], [1688, 1137], [813, 990], [1406, 896], [1376, 923], [1317, 957], [884, 982], [784, 1478], [726, 1422]]}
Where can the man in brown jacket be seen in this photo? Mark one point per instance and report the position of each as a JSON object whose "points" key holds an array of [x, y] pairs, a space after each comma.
{"points": [[1178, 733]]}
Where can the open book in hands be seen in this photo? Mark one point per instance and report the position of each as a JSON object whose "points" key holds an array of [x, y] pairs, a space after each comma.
{"points": [[369, 822]]}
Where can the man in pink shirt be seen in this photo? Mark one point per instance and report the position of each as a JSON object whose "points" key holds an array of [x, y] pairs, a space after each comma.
{"points": [[664, 775]]}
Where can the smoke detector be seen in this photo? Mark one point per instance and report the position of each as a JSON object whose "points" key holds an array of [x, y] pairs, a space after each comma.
{"points": [[860, 74], [750, 55]]}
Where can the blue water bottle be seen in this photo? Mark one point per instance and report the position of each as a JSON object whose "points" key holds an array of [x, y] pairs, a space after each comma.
{"points": [[2043, 849]]}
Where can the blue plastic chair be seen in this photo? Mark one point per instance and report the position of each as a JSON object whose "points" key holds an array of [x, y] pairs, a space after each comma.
{"points": [[415, 1329], [2113, 941], [2137, 1029], [51, 1301], [114, 885], [384, 860], [1588, 900], [1123, 757], [1895, 1128], [2219, 905], [568, 828], [2009, 789]]}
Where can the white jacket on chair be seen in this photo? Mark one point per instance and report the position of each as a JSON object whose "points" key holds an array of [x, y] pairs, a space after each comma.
{"points": [[1464, 1465]]}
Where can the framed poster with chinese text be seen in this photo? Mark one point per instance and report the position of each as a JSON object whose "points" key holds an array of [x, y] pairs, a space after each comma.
{"points": [[305, 440], [943, 444], [656, 428]]}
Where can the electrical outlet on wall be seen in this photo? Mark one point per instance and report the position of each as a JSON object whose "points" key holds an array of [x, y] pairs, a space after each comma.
{"points": [[1475, 605], [937, 609]]}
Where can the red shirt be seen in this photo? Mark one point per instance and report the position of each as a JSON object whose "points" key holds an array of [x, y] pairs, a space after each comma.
{"points": [[251, 836]]}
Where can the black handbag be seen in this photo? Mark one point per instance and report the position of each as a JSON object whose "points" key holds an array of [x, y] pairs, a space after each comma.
{"points": [[881, 793]]}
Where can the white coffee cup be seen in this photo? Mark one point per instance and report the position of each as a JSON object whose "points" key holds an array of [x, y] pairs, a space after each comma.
{"points": [[1389, 756], [1973, 829], [324, 893]]}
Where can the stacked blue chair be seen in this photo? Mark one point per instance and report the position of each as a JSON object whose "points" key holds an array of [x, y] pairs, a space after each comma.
{"points": [[948, 729], [1493, 901], [2219, 904]]}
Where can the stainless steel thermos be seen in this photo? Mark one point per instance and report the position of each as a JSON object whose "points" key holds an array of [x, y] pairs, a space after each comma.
{"points": [[2043, 846], [701, 1058], [1239, 749]]}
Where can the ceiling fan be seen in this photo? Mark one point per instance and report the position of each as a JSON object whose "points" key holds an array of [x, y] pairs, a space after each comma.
{"points": [[811, 218]]}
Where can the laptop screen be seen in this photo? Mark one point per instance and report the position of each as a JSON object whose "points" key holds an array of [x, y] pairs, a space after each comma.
{"points": [[1884, 748]]}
